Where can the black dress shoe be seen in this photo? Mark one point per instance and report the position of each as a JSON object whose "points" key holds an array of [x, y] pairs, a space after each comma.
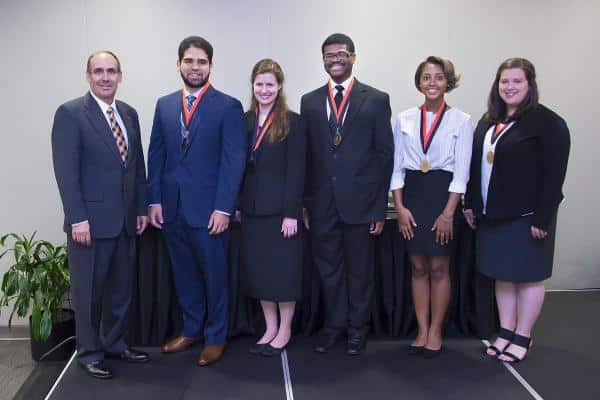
{"points": [[429, 353], [356, 344], [257, 348], [130, 355], [414, 350], [270, 351], [97, 369], [327, 342]]}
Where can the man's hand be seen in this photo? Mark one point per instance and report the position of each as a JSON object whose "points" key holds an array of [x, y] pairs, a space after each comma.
{"points": [[538, 233], [81, 234], [289, 227], [156, 216], [376, 228], [218, 223], [141, 224]]}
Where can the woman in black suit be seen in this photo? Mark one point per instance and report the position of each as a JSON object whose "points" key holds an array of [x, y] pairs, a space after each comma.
{"points": [[520, 154], [271, 206]]}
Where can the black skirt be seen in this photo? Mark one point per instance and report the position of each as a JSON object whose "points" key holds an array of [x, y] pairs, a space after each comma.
{"points": [[426, 195], [271, 264], [506, 251]]}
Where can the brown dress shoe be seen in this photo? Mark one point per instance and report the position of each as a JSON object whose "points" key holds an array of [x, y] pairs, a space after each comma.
{"points": [[180, 343], [211, 354]]}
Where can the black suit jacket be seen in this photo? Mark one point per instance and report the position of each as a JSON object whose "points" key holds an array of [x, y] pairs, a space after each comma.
{"points": [[94, 184], [274, 183], [357, 174], [530, 163]]}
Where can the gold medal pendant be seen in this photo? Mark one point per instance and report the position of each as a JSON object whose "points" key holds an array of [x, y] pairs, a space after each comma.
{"points": [[337, 138], [490, 157], [424, 166]]}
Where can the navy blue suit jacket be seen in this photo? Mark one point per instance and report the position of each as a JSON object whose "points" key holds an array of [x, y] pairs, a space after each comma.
{"points": [[357, 174], [206, 175], [94, 184]]}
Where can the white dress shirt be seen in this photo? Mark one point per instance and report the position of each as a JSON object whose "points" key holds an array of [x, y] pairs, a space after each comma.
{"points": [[449, 150], [104, 107], [345, 84], [486, 167]]}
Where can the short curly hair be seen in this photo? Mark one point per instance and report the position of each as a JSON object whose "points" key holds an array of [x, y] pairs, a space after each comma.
{"points": [[447, 67]]}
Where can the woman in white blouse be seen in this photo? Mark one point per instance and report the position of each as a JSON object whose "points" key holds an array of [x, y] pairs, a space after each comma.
{"points": [[433, 145]]}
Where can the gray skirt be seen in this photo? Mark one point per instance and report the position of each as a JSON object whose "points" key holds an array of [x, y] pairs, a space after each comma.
{"points": [[506, 251]]}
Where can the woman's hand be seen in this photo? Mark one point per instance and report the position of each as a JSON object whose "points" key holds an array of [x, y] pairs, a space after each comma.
{"points": [[289, 227], [470, 218], [406, 222], [443, 229], [538, 233]]}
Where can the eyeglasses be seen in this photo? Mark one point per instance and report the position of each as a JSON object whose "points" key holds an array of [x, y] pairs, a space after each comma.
{"points": [[340, 55]]}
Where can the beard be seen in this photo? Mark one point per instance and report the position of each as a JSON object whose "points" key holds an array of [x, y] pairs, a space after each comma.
{"points": [[194, 85]]}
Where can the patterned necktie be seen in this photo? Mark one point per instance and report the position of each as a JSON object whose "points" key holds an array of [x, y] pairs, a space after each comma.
{"points": [[190, 101], [339, 95], [117, 134]]}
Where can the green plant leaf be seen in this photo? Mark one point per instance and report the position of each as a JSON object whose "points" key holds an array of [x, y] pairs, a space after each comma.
{"points": [[46, 326], [36, 317]]}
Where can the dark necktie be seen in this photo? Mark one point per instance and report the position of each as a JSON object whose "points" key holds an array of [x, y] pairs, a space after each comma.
{"points": [[339, 95], [190, 101], [117, 134]]}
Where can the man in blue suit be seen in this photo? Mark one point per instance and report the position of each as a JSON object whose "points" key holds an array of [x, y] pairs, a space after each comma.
{"points": [[195, 165], [99, 168]]}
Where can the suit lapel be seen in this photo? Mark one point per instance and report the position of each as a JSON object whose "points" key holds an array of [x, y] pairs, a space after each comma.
{"points": [[202, 111], [131, 136], [357, 97], [101, 128]]}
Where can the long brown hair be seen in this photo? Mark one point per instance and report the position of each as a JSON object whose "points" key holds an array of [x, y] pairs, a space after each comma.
{"points": [[496, 111], [281, 122]]}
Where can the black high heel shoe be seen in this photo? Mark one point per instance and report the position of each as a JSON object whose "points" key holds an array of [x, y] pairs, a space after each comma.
{"points": [[257, 348], [414, 350], [520, 341], [502, 334], [270, 351]]}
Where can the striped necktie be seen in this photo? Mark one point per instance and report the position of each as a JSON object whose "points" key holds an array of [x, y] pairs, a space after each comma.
{"points": [[117, 134]]}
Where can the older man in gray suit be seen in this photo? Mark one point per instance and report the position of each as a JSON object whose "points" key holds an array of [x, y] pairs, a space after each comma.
{"points": [[99, 168]]}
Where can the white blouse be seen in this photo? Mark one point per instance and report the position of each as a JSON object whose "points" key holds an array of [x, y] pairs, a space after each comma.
{"points": [[486, 166], [450, 148]]}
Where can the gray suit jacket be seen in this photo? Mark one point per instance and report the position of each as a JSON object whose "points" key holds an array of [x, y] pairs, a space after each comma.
{"points": [[94, 184]]}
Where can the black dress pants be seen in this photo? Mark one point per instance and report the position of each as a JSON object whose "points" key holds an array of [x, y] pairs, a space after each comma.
{"points": [[343, 256]]}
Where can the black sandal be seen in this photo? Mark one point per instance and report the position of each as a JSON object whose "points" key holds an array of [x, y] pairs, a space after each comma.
{"points": [[502, 334], [521, 341]]}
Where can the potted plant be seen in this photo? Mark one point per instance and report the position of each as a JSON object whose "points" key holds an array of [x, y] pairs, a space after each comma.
{"points": [[38, 283]]}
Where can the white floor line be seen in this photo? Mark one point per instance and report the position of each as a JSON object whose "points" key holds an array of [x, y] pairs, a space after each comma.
{"points": [[15, 339], [573, 290], [519, 378], [60, 376], [289, 393]]}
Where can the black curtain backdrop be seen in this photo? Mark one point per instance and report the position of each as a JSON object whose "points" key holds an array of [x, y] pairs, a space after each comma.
{"points": [[155, 314]]}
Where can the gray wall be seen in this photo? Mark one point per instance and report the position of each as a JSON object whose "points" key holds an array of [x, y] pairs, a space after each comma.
{"points": [[45, 45]]}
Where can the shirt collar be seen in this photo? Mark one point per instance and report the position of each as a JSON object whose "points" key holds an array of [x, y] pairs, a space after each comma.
{"points": [[194, 93], [102, 103], [344, 84]]}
